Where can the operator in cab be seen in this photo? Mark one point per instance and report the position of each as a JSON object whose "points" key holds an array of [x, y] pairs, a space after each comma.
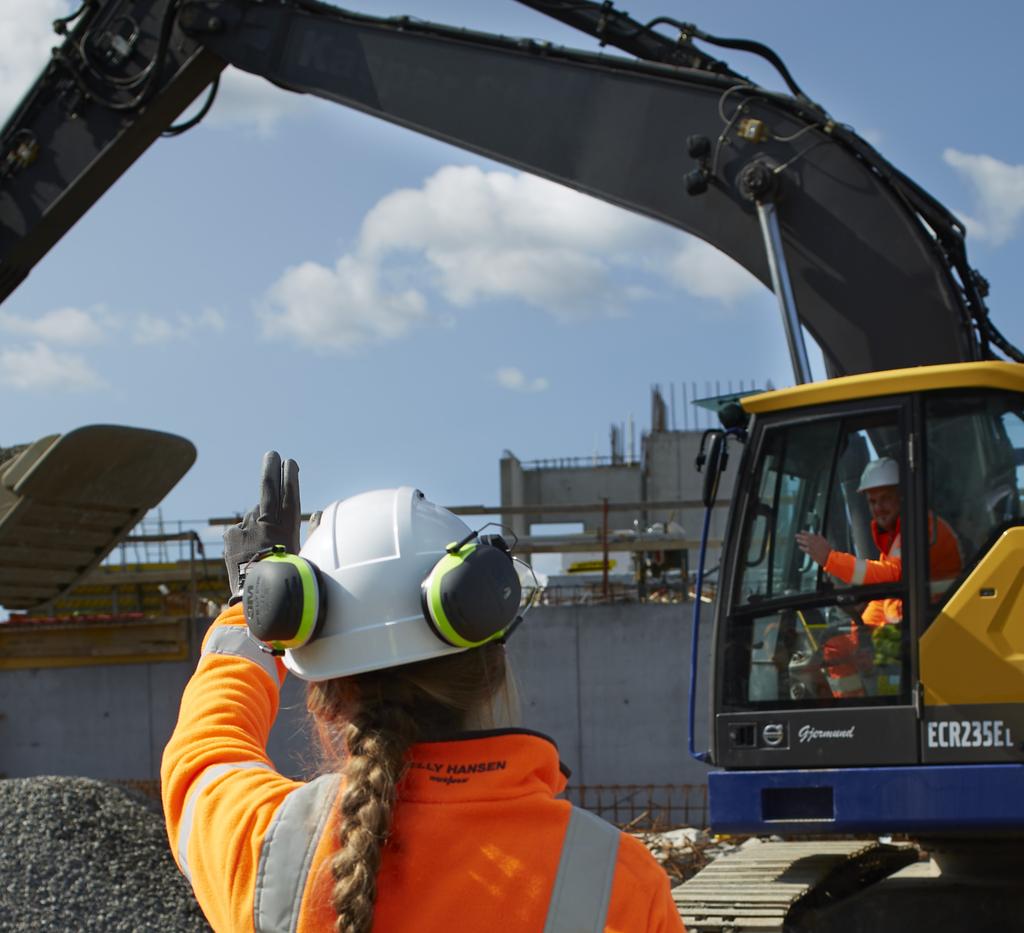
{"points": [[880, 483], [844, 654], [433, 810]]}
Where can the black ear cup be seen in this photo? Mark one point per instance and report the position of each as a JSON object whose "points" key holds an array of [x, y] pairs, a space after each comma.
{"points": [[283, 599], [472, 595]]}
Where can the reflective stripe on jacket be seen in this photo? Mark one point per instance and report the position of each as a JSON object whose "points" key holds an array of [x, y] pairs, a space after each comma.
{"points": [[477, 842], [944, 559]]}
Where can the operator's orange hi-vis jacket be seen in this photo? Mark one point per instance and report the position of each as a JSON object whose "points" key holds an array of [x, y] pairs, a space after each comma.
{"points": [[944, 564], [842, 652], [476, 840]]}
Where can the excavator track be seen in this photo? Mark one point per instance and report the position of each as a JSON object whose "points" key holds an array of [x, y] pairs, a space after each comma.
{"points": [[765, 887]]}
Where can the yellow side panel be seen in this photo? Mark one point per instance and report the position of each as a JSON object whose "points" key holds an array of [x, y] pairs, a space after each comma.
{"points": [[974, 650]]}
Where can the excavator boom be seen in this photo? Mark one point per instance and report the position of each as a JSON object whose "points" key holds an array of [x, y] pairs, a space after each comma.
{"points": [[877, 269]]}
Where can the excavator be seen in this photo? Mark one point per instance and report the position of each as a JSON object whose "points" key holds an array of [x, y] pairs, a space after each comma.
{"points": [[916, 732]]}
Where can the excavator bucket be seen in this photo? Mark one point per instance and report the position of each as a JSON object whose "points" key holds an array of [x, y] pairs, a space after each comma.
{"points": [[68, 499]]}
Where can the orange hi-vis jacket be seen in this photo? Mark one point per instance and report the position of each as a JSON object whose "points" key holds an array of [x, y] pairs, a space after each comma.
{"points": [[944, 560], [845, 664], [478, 840]]}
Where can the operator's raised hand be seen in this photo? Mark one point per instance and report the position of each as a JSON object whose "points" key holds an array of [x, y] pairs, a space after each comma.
{"points": [[275, 520], [814, 546]]}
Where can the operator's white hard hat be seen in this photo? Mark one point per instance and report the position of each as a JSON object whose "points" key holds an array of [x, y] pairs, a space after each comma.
{"points": [[373, 551], [883, 472]]}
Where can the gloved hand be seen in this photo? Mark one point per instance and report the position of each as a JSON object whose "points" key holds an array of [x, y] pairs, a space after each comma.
{"points": [[275, 520]]}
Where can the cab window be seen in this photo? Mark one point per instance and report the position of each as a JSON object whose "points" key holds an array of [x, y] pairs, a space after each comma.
{"points": [[974, 469]]}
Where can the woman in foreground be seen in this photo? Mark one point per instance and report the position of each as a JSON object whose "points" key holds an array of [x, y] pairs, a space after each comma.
{"points": [[433, 812]]}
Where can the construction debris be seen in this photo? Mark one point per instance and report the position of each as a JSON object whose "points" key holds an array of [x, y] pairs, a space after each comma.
{"points": [[684, 852]]}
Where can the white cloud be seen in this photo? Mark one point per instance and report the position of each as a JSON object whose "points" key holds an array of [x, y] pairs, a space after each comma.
{"points": [[338, 308], [148, 328], [77, 327], [707, 272], [999, 194], [152, 329], [211, 319], [478, 235], [501, 235], [63, 325], [247, 100], [26, 37], [495, 234], [510, 377], [38, 367]]}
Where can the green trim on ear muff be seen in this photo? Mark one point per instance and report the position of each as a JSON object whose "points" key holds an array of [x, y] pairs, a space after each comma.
{"points": [[310, 600], [447, 631]]}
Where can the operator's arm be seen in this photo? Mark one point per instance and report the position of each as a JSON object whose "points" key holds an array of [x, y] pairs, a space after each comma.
{"points": [[857, 570], [847, 567], [219, 788]]}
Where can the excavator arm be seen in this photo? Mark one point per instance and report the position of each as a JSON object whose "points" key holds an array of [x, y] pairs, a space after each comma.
{"points": [[121, 77], [877, 271]]}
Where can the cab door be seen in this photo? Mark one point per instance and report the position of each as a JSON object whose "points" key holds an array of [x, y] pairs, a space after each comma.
{"points": [[801, 678]]}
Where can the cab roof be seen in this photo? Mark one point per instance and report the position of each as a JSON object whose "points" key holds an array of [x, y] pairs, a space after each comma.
{"points": [[987, 375]]}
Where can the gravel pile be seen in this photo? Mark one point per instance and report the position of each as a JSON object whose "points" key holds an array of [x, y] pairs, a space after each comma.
{"points": [[83, 855]]}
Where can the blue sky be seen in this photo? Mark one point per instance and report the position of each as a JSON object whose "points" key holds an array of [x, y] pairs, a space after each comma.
{"points": [[287, 276]]}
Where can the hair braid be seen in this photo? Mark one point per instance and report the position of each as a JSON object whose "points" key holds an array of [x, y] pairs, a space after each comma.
{"points": [[377, 739], [373, 719]]}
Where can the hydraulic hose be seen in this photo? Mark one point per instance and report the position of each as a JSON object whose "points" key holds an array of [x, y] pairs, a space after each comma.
{"points": [[704, 756]]}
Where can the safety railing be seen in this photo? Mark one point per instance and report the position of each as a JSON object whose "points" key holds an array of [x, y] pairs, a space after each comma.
{"points": [[644, 807]]}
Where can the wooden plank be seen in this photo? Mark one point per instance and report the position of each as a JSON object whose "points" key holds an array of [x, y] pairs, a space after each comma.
{"points": [[14, 596], [12, 555], [13, 576], [30, 537], [43, 645]]}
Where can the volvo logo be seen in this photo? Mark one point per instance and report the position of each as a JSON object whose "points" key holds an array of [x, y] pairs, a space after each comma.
{"points": [[773, 734]]}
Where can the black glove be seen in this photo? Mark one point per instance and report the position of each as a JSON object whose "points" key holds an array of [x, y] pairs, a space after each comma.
{"points": [[274, 521]]}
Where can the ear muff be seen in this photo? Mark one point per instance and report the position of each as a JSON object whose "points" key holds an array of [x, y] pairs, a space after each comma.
{"points": [[283, 600], [472, 594]]}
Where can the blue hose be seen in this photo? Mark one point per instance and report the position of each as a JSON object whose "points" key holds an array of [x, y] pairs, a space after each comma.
{"points": [[695, 637]]}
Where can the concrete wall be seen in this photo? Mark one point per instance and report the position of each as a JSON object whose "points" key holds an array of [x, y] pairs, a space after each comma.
{"points": [[670, 474], [109, 721], [112, 721], [567, 485], [608, 683]]}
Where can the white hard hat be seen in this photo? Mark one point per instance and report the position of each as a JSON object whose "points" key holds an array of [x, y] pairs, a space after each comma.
{"points": [[883, 472], [373, 552]]}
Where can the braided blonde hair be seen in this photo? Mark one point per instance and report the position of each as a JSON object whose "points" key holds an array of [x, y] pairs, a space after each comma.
{"points": [[372, 719]]}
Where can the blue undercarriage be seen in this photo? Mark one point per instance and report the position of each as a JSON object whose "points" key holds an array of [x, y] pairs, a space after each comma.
{"points": [[914, 799]]}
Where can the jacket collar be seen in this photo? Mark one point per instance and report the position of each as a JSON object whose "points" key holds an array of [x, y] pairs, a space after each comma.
{"points": [[884, 540], [503, 763]]}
